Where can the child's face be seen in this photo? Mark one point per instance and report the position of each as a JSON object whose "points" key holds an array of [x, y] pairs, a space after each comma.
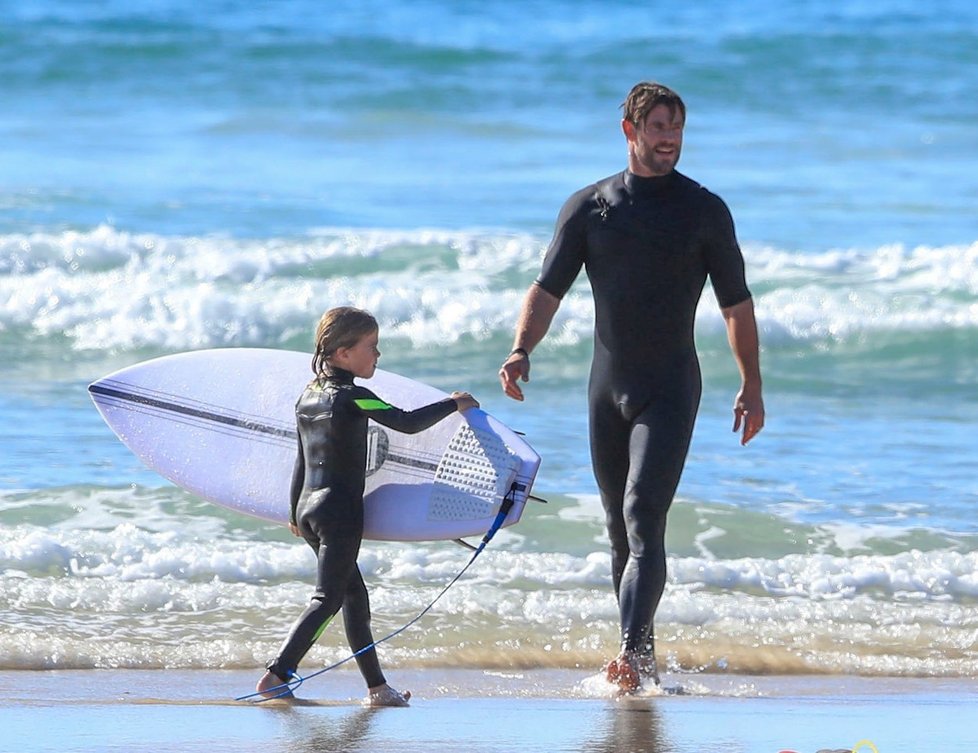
{"points": [[361, 359]]}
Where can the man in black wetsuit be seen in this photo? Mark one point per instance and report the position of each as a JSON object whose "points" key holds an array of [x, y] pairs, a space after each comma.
{"points": [[648, 237]]}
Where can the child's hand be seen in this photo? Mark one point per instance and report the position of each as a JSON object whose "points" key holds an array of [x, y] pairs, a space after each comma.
{"points": [[464, 401]]}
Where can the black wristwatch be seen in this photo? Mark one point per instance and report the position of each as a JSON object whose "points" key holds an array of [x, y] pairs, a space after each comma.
{"points": [[521, 351]]}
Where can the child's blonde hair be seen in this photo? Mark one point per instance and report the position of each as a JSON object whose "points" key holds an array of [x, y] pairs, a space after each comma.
{"points": [[340, 327]]}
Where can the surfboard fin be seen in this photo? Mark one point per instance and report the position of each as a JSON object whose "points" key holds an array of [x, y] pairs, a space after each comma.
{"points": [[465, 544], [537, 499]]}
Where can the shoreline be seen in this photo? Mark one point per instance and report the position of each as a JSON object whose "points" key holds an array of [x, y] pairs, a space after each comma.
{"points": [[76, 711]]}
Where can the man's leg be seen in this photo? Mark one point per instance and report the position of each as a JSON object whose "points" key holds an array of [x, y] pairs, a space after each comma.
{"points": [[658, 446], [609, 459]]}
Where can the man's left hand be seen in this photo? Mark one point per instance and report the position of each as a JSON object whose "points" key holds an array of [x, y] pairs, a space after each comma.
{"points": [[749, 413]]}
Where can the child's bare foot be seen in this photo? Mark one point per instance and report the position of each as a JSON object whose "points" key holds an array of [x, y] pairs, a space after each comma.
{"points": [[272, 686], [385, 695], [623, 671]]}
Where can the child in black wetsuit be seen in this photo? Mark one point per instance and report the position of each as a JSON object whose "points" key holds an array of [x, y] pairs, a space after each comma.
{"points": [[327, 491]]}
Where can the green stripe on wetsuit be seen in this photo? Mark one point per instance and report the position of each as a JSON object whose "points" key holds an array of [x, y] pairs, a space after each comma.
{"points": [[322, 628], [371, 404]]}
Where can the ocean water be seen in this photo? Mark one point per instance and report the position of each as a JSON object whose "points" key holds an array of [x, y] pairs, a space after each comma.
{"points": [[181, 175]]}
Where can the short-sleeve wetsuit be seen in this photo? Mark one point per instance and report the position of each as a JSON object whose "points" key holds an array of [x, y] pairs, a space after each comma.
{"points": [[648, 245], [327, 506]]}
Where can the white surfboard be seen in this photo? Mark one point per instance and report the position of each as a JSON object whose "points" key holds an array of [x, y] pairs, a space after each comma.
{"points": [[221, 424]]}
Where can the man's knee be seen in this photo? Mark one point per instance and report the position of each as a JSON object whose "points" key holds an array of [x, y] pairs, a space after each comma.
{"points": [[645, 524]]}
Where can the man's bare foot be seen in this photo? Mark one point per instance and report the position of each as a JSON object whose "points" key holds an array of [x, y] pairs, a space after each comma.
{"points": [[385, 695], [623, 671], [271, 686]]}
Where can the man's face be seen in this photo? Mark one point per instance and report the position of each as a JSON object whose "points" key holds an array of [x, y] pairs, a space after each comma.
{"points": [[654, 148]]}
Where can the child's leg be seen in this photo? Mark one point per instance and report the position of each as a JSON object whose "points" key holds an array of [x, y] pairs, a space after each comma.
{"points": [[337, 563], [356, 620]]}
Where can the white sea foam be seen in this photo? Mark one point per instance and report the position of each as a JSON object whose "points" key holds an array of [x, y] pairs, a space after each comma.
{"points": [[128, 554], [111, 289], [157, 570]]}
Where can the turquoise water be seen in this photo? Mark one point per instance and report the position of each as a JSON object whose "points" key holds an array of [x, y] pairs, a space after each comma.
{"points": [[179, 176]]}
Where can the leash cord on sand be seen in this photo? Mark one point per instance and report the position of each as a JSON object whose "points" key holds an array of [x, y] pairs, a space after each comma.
{"points": [[286, 688]]}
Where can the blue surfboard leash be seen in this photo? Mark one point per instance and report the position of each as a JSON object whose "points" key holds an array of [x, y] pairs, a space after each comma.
{"points": [[286, 688]]}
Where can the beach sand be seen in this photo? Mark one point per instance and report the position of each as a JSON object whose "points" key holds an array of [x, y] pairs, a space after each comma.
{"points": [[475, 711]]}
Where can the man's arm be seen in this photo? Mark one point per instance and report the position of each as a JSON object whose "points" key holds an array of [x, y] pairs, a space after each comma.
{"points": [[742, 335], [537, 313]]}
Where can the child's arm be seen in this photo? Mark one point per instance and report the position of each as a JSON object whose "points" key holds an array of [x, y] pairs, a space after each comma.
{"points": [[412, 421], [298, 481]]}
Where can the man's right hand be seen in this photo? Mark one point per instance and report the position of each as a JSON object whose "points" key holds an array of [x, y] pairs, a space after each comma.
{"points": [[537, 312], [514, 368]]}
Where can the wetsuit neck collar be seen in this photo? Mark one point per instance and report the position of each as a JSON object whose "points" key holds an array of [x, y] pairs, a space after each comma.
{"points": [[639, 185], [339, 376]]}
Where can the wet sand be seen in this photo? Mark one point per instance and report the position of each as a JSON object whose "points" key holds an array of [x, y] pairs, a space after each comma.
{"points": [[475, 711]]}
